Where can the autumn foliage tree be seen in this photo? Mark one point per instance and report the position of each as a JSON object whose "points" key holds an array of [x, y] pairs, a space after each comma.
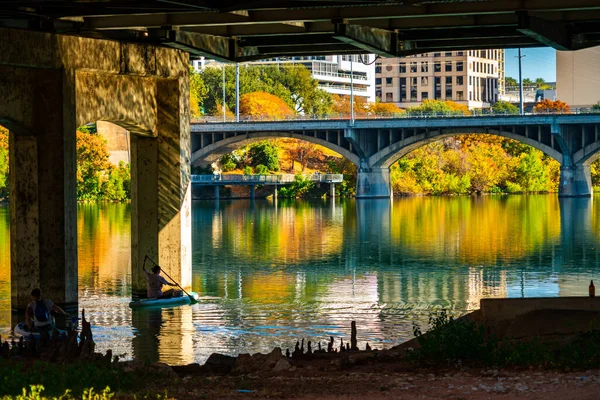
{"points": [[341, 106], [262, 104], [4, 181], [387, 109], [551, 106]]}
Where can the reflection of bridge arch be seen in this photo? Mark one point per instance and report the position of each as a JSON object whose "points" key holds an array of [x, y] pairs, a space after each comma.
{"points": [[386, 157], [214, 151], [373, 145]]}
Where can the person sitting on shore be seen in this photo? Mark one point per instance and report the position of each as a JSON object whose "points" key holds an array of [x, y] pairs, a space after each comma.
{"points": [[38, 315], [155, 283]]}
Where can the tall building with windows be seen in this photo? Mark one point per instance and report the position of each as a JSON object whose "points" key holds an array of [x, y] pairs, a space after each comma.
{"points": [[335, 74], [466, 77]]}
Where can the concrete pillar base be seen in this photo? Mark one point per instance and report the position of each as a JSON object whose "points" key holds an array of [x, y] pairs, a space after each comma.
{"points": [[575, 181], [373, 183], [332, 190]]}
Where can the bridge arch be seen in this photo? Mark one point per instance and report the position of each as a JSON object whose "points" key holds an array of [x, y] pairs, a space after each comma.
{"points": [[389, 155], [213, 152]]}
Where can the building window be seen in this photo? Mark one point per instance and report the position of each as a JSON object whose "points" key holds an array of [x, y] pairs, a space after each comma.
{"points": [[402, 68], [438, 88], [378, 81], [448, 80], [459, 66], [470, 95], [460, 53], [402, 89], [448, 54], [378, 68], [449, 92], [448, 66], [413, 81], [389, 97], [460, 95], [413, 67], [437, 54], [424, 66], [378, 94], [459, 80], [388, 82], [437, 67], [470, 80], [424, 81], [424, 95], [413, 93]]}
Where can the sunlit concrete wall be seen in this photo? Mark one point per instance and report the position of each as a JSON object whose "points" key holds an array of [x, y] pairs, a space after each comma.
{"points": [[577, 76]]}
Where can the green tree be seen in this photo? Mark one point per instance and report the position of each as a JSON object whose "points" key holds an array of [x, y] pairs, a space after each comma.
{"points": [[539, 82], [510, 81], [527, 82], [92, 163], [293, 84], [265, 153], [504, 107], [198, 92]]}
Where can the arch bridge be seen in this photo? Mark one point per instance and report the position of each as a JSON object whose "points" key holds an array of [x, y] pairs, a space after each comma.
{"points": [[373, 145]]}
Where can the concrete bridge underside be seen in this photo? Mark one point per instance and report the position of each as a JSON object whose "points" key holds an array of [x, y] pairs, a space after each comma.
{"points": [[58, 84], [374, 145]]}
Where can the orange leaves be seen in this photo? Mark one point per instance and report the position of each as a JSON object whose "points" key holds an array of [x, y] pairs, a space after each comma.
{"points": [[3, 137], [262, 104], [385, 109], [549, 106]]}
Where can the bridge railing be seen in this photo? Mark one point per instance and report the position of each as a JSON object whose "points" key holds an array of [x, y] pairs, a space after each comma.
{"points": [[370, 116], [263, 179]]}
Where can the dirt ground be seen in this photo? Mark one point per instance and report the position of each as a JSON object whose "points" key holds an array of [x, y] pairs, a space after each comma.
{"points": [[389, 381]]}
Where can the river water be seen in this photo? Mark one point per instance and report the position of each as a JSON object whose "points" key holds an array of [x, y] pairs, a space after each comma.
{"points": [[269, 274]]}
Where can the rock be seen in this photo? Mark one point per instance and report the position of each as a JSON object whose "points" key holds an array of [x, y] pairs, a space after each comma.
{"points": [[282, 365], [243, 364], [361, 358], [163, 369], [272, 359], [219, 363]]}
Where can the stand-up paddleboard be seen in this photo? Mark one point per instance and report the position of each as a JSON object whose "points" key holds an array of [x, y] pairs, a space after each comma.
{"points": [[165, 302]]}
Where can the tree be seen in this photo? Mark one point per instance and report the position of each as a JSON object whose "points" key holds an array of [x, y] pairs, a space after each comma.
{"points": [[291, 83], [198, 92], [302, 152], [92, 161], [539, 82], [504, 107], [509, 81], [596, 107], [265, 153], [379, 108], [439, 107], [527, 82], [4, 177], [262, 104], [341, 105], [551, 106]]}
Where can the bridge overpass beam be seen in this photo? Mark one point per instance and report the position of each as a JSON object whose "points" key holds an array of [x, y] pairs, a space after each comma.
{"points": [[575, 181]]}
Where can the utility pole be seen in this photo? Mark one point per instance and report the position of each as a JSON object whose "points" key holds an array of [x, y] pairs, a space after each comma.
{"points": [[351, 91], [237, 92], [224, 107], [520, 84]]}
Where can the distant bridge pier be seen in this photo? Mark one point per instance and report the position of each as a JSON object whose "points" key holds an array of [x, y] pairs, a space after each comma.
{"points": [[62, 83], [252, 192], [217, 192], [575, 181], [373, 183]]}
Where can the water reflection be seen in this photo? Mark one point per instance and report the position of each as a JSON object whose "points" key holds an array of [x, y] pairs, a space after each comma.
{"points": [[271, 273]]}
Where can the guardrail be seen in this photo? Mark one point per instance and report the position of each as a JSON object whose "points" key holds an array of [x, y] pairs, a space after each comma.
{"points": [[369, 116], [232, 179]]}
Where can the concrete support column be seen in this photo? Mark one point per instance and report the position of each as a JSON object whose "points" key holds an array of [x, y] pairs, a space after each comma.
{"points": [[275, 193], [161, 190], [43, 209], [332, 190], [373, 182], [575, 181], [24, 217]]}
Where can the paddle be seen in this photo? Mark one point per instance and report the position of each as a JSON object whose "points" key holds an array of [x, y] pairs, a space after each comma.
{"points": [[192, 299]]}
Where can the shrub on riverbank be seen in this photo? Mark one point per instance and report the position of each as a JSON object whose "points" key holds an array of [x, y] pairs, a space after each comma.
{"points": [[460, 340]]}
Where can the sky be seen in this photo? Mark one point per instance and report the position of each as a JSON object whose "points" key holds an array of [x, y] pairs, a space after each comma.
{"points": [[537, 63]]}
